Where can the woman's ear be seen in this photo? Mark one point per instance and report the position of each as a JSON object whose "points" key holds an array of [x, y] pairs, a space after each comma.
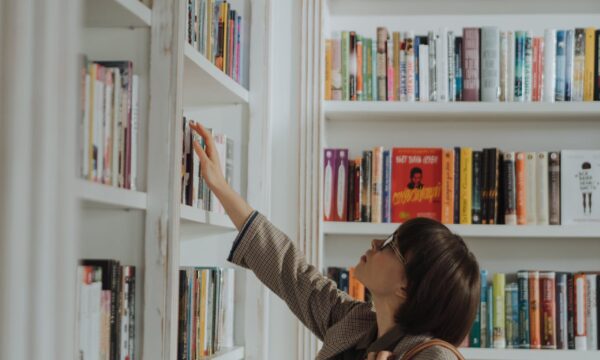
{"points": [[401, 292]]}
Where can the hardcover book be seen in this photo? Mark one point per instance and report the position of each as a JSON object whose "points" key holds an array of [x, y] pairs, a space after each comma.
{"points": [[580, 185]]}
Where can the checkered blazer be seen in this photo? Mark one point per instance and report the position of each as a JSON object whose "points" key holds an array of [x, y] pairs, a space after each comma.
{"points": [[332, 315]]}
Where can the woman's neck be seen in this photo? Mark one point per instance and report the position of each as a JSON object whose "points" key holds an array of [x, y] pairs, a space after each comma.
{"points": [[385, 311]]}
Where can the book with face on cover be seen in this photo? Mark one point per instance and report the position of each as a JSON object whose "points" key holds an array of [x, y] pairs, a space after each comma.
{"points": [[580, 186]]}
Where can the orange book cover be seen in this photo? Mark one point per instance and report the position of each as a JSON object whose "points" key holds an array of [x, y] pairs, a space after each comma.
{"points": [[535, 334], [359, 66], [536, 92], [416, 183], [448, 186], [588, 77], [328, 69], [357, 289], [520, 185]]}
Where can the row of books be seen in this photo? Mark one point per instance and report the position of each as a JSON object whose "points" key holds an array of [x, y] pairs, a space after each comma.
{"points": [[538, 310], [206, 311], [484, 64], [215, 30], [194, 191], [106, 310], [347, 281], [109, 123], [462, 186]]}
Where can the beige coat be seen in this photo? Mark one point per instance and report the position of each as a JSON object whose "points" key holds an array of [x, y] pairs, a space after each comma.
{"points": [[332, 315]]}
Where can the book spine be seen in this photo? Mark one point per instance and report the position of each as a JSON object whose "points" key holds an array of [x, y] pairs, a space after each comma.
{"points": [[135, 106], [432, 41], [580, 301], [528, 70], [350, 196], [475, 333], [328, 68], [458, 66], [491, 312], [376, 184], [561, 311], [521, 193], [569, 62], [524, 332], [442, 65], [382, 37], [86, 121], [391, 93], [578, 65], [471, 64], [424, 72], [494, 181], [352, 66], [512, 59], [485, 186], [535, 334], [345, 69], [499, 335], [483, 310], [341, 184], [591, 312], [538, 68], [541, 188], [107, 127], [530, 188], [396, 46], [520, 48], [466, 185], [503, 81], [476, 189], [451, 63], [410, 65], [402, 85], [554, 188], [510, 199], [328, 184], [512, 315], [490, 63], [359, 67], [588, 79], [374, 70], [416, 44], [387, 186], [548, 309], [597, 73], [366, 186], [358, 180], [560, 65], [457, 186], [570, 311], [448, 186], [368, 64]]}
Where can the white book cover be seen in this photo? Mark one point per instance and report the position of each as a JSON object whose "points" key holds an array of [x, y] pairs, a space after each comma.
{"points": [[451, 67], [542, 196], [401, 77], [549, 79], [592, 312], [503, 66], [530, 188], [423, 73], [409, 37], [135, 116], [580, 312], [511, 65], [124, 312], [98, 125], [490, 63], [107, 128], [432, 41], [95, 329], [122, 138], [117, 111], [85, 165], [229, 297], [580, 186], [442, 65], [83, 315], [336, 66], [528, 79]]}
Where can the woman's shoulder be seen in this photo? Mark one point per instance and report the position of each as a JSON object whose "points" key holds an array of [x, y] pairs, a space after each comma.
{"points": [[434, 352]]}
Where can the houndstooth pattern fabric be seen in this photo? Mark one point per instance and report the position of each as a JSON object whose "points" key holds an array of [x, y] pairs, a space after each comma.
{"points": [[332, 315]]}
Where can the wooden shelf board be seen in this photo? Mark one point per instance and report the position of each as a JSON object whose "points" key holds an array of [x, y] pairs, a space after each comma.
{"points": [[472, 231], [108, 196], [525, 354], [117, 13], [235, 353], [204, 83], [475, 111], [206, 218]]}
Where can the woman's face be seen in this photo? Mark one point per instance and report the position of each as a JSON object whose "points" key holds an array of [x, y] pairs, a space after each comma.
{"points": [[382, 271]]}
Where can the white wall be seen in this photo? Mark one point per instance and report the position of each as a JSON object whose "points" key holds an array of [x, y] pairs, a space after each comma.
{"points": [[285, 108]]}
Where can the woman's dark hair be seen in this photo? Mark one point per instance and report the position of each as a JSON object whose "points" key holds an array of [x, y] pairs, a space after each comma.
{"points": [[443, 281]]}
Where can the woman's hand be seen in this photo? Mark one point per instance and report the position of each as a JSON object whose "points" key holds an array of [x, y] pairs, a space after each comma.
{"points": [[382, 355], [209, 159]]}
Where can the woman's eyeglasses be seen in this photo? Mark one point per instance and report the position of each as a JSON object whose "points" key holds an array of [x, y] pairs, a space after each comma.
{"points": [[389, 242]]}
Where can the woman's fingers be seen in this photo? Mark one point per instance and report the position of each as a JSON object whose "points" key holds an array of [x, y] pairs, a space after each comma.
{"points": [[201, 153], [208, 139]]}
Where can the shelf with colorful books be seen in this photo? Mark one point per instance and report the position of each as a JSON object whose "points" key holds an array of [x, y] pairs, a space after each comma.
{"points": [[476, 111], [117, 13], [526, 354], [206, 218], [589, 231], [109, 196]]}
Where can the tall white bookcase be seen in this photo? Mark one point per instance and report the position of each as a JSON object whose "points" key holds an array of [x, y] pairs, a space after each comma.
{"points": [[518, 126], [149, 228]]}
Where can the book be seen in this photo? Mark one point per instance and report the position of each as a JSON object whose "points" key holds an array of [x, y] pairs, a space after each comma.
{"points": [[510, 206], [382, 38], [538, 68], [580, 186], [548, 309], [535, 331], [366, 191], [560, 65], [424, 71], [409, 50], [499, 336], [591, 311], [554, 186], [442, 72], [541, 188], [491, 313], [521, 186], [528, 68], [432, 52], [512, 48], [345, 66], [503, 67], [512, 315], [570, 311], [341, 184], [578, 64], [457, 185], [524, 331], [530, 188], [520, 71], [483, 311], [597, 72], [588, 78], [447, 186], [569, 63], [476, 187], [490, 63], [579, 311], [466, 185], [561, 311], [386, 209], [328, 68], [376, 185], [458, 66], [416, 183], [471, 64]]}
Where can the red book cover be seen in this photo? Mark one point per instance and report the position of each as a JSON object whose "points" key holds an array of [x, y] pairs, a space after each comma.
{"points": [[471, 64], [548, 307], [535, 341], [416, 183]]}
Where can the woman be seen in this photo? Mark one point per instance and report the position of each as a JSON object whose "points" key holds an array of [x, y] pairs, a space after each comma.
{"points": [[423, 280]]}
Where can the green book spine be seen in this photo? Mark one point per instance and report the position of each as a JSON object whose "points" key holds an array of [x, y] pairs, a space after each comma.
{"points": [[499, 336], [365, 74], [367, 44], [483, 311], [345, 70], [490, 314], [374, 70]]}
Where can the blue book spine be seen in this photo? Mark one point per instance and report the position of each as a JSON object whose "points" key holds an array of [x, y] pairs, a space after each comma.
{"points": [[386, 204], [458, 75], [560, 65], [569, 54], [514, 294], [490, 314], [520, 38], [374, 69], [523, 281], [416, 42], [483, 311], [344, 281], [457, 185]]}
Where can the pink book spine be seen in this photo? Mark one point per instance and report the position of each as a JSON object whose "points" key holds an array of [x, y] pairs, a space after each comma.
{"points": [[390, 71]]}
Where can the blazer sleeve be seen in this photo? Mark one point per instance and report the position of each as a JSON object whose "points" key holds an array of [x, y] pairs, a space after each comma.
{"points": [[282, 267]]}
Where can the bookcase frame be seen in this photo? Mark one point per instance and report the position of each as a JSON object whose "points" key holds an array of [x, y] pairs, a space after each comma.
{"points": [[179, 78], [352, 124]]}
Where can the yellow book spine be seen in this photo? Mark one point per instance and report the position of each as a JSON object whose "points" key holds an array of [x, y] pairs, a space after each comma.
{"points": [[92, 71], [499, 318], [588, 77], [328, 69], [200, 348], [209, 19], [466, 185]]}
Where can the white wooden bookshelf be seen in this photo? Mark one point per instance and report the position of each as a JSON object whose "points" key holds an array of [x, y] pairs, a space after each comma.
{"points": [[584, 231], [117, 13], [205, 84], [236, 353], [109, 196], [524, 354], [210, 219], [367, 111]]}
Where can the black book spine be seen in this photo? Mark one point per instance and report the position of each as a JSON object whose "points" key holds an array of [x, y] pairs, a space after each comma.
{"points": [[493, 195], [190, 168], [366, 186], [554, 187], [570, 312], [352, 64], [458, 56], [476, 194], [116, 332], [132, 313], [598, 290], [560, 309], [597, 82], [457, 185], [183, 295], [509, 189], [501, 190], [350, 202]]}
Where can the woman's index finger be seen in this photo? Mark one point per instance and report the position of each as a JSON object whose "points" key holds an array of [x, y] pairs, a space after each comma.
{"points": [[208, 139]]}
